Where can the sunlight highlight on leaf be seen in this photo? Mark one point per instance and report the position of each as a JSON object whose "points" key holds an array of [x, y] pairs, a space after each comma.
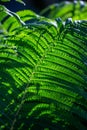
{"points": [[21, 1]]}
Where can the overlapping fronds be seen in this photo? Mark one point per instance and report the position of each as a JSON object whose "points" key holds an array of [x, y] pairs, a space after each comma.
{"points": [[76, 10], [43, 74]]}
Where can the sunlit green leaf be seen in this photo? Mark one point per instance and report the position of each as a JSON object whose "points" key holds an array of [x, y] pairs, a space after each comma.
{"points": [[43, 72], [76, 10]]}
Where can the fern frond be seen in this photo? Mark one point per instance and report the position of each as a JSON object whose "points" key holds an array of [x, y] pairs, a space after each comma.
{"points": [[43, 74], [76, 10], [16, 20]]}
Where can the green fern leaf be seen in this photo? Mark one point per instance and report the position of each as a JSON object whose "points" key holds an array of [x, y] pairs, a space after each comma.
{"points": [[43, 75], [76, 10]]}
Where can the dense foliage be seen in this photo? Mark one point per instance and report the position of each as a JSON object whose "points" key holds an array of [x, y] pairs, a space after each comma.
{"points": [[43, 69]]}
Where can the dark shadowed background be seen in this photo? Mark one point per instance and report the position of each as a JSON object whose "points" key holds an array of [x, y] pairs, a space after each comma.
{"points": [[35, 5]]}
